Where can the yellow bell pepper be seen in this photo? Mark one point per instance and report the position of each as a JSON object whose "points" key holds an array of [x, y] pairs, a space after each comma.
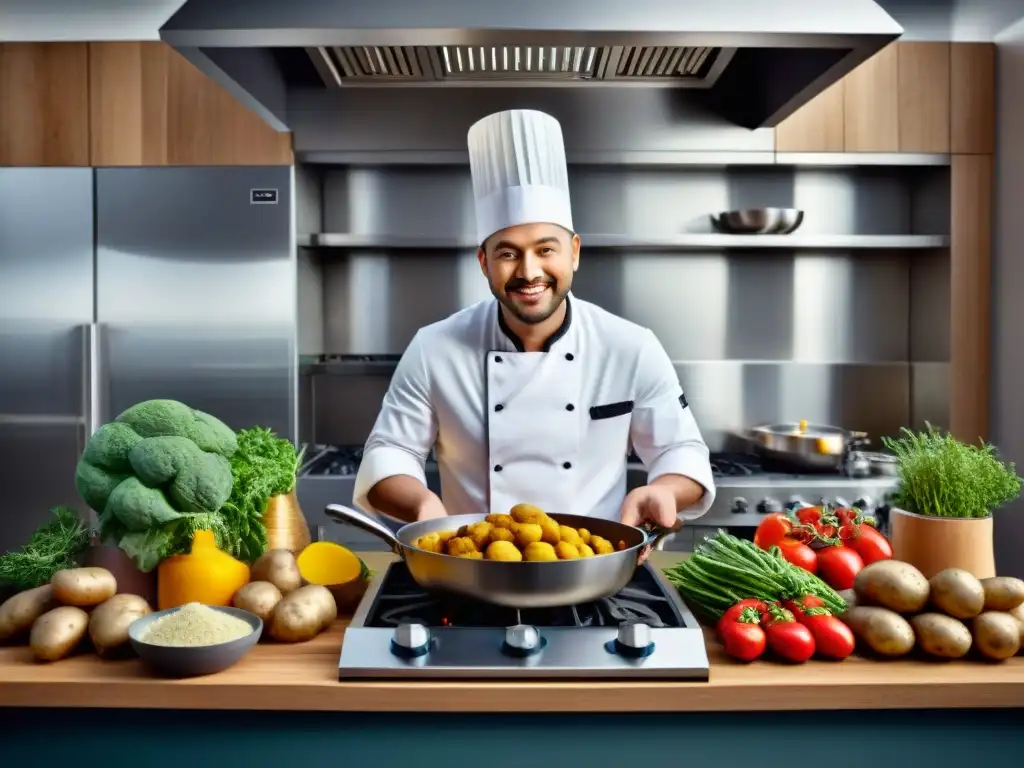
{"points": [[206, 575]]}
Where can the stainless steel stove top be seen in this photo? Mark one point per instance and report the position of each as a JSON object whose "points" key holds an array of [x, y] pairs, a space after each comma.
{"points": [[400, 631]]}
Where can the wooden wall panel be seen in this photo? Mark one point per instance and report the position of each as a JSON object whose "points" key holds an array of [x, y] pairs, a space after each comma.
{"points": [[44, 104], [971, 181]]}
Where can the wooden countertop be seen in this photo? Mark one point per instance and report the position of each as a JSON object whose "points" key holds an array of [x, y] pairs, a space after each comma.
{"points": [[304, 677]]}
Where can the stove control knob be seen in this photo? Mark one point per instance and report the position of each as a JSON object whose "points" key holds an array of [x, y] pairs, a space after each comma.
{"points": [[841, 503], [634, 640], [410, 641], [767, 506], [864, 504], [739, 505], [522, 640], [795, 502]]}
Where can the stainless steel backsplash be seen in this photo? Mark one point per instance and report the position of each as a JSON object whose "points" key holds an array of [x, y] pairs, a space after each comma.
{"points": [[857, 338]]}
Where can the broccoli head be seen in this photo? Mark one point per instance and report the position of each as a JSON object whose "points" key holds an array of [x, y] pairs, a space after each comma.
{"points": [[158, 462]]}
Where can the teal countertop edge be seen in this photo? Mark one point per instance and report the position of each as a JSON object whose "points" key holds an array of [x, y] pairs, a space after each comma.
{"points": [[195, 739]]}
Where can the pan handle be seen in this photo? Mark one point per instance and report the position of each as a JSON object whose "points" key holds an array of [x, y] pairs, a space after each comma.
{"points": [[342, 514]]}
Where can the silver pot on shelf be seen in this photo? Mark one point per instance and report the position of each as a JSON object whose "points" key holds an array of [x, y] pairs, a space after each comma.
{"points": [[758, 221]]}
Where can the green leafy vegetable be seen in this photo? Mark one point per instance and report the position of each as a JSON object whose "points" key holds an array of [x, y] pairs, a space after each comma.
{"points": [[155, 475], [264, 466], [56, 545], [942, 477], [724, 570]]}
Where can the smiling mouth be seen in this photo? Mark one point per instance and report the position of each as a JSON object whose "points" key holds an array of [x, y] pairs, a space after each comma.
{"points": [[531, 291]]}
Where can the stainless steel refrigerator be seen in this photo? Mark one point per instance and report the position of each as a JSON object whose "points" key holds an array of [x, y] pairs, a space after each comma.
{"points": [[121, 285]]}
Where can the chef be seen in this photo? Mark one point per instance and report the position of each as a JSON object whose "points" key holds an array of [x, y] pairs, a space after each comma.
{"points": [[533, 396]]}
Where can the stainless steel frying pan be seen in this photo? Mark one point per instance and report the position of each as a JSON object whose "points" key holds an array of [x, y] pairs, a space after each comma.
{"points": [[515, 585]]}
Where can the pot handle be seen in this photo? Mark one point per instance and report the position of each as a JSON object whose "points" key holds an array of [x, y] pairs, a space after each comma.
{"points": [[653, 536], [342, 514]]}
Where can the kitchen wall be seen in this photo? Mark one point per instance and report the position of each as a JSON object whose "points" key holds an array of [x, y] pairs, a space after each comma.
{"points": [[854, 337], [1007, 288]]}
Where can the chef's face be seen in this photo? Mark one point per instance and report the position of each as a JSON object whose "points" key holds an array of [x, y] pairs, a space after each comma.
{"points": [[530, 268]]}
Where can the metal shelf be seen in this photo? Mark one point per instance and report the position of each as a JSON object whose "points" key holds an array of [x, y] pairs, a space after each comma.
{"points": [[643, 159], [684, 242]]}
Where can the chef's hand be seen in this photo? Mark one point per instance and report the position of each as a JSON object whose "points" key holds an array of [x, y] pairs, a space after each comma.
{"points": [[430, 508], [653, 504]]}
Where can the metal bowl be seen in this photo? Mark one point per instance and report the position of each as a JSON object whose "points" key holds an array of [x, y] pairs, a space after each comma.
{"points": [[758, 221], [194, 661]]}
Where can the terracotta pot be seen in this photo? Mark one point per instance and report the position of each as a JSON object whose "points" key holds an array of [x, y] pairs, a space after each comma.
{"points": [[932, 544], [130, 580], [286, 525]]}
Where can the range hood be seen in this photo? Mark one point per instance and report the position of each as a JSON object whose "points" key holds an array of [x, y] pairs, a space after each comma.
{"points": [[754, 61]]}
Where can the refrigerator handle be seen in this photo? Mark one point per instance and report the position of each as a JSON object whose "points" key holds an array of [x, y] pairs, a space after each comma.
{"points": [[92, 395]]}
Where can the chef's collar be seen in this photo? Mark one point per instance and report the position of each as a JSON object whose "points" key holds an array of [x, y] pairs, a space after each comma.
{"points": [[551, 340]]}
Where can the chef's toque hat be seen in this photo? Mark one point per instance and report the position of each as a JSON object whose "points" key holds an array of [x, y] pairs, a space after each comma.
{"points": [[517, 160]]}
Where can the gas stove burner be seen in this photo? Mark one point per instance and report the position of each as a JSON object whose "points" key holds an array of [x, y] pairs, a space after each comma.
{"points": [[401, 631], [339, 461], [400, 601], [735, 465]]}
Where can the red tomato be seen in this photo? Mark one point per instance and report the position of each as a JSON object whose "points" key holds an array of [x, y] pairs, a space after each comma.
{"points": [[826, 530], [832, 638], [808, 515], [772, 530], [734, 613], [838, 566], [743, 640], [845, 515], [847, 531], [791, 641], [800, 606], [799, 554], [871, 545]]}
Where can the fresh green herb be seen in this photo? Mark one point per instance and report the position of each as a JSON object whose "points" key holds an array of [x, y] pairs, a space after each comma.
{"points": [[264, 466], [56, 545], [942, 477], [724, 570]]}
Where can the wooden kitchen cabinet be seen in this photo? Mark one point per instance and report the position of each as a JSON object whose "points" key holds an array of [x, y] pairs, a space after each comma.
{"points": [[817, 126], [44, 104], [871, 104], [151, 106], [973, 98], [903, 99], [924, 97]]}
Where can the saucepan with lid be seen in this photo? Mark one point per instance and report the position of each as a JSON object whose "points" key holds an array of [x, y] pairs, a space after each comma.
{"points": [[811, 446], [513, 584]]}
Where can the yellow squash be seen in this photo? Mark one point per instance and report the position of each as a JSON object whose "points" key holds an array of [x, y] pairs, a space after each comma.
{"points": [[206, 575]]}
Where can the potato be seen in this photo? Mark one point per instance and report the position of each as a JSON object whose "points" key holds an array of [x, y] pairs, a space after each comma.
{"points": [[83, 587], [996, 635], [941, 635], [957, 593], [18, 613], [259, 597], [1003, 593], [882, 630], [58, 632], [894, 585], [1018, 614], [108, 624], [302, 614], [278, 566]]}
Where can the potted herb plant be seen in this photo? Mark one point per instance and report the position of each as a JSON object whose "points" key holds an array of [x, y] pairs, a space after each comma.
{"points": [[941, 515]]}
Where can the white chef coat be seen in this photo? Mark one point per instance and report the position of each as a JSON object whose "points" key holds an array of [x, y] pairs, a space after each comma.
{"points": [[550, 428]]}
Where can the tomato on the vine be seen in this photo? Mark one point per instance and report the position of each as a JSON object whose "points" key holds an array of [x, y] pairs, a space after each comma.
{"points": [[799, 554], [773, 529], [871, 545], [809, 515], [838, 566]]}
